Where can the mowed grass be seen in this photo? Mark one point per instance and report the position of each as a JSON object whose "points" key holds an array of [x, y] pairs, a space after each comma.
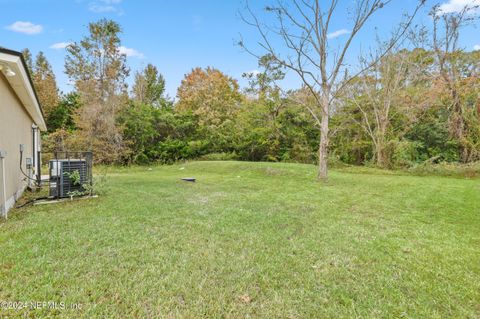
{"points": [[250, 240]]}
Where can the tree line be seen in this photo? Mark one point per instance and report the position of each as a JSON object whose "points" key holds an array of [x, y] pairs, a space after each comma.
{"points": [[410, 104]]}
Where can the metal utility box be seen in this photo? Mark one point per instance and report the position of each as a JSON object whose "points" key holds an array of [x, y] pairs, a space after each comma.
{"points": [[68, 177]]}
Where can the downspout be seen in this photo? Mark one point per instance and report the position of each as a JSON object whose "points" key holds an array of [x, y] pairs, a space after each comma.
{"points": [[3, 192], [39, 168], [34, 142], [31, 171], [36, 164], [36, 154]]}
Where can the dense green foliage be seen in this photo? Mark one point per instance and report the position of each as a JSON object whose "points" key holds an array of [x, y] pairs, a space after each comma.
{"points": [[164, 135], [159, 134], [260, 240], [62, 116], [149, 86]]}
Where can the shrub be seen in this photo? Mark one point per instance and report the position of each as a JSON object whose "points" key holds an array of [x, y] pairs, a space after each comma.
{"points": [[403, 153], [470, 170], [219, 157]]}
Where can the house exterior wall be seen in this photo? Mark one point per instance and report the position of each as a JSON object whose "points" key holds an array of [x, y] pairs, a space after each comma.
{"points": [[15, 129]]}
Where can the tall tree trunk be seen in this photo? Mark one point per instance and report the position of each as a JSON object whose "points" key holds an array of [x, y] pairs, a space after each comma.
{"points": [[323, 149], [380, 153], [458, 123], [380, 144]]}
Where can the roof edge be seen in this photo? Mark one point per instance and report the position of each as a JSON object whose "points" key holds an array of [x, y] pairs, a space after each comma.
{"points": [[24, 63]]}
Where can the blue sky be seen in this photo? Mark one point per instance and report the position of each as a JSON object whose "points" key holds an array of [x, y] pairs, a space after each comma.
{"points": [[176, 36]]}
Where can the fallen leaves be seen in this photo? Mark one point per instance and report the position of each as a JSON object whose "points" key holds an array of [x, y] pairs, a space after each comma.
{"points": [[245, 298]]}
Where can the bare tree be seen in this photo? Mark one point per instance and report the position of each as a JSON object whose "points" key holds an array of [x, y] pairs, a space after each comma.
{"points": [[304, 28], [446, 34], [375, 94]]}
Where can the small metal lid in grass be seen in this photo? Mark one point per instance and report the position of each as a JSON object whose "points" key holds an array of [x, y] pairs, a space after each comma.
{"points": [[189, 179]]}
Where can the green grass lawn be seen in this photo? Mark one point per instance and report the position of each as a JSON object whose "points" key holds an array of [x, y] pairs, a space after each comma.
{"points": [[250, 240]]}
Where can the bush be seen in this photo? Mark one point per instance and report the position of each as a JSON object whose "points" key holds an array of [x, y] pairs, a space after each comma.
{"points": [[299, 153], [219, 157], [432, 138], [429, 167], [403, 153]]}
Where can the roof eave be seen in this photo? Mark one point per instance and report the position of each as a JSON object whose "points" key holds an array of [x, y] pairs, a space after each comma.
{"points": [[22, 84]]}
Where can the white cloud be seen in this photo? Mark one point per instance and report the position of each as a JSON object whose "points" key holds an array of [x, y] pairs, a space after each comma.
{"points": [[98, 8], [338, 33], [476, 47], [453, 6], [25, 27], [129, 52], [60, 45], [105, 6]]}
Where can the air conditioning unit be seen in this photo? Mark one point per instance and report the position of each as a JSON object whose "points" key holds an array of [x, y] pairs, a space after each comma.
{"points": [[68, 177]]}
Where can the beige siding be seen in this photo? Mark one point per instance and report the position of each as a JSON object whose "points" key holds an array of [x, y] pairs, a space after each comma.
{"points": [[15, 129]]}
